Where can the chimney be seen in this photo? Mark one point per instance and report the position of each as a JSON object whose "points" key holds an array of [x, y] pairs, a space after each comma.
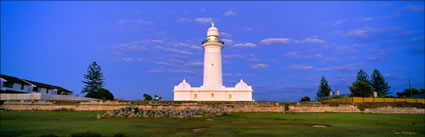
{"points": [[337, 92], [330, 93], [375, 94]]}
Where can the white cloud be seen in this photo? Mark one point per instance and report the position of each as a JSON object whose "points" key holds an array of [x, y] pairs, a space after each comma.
{"points": [[338, 22], [195, 64], [225, 34], [292, 54], [259, 66], [227, 74], [203, 20], [300, 67], [311, 40], [362, 32], [270, 41], [415, 8], [230, 13], [130, 59], [347, 67], [248, 44], [127, 59], [227, 41], [196, 47], [173, 50], [366, 19], [234, 56]]}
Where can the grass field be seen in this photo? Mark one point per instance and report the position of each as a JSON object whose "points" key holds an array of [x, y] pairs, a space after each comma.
{"points": [[237, 124]]}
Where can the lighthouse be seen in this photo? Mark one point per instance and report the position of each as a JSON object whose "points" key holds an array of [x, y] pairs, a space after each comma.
{"points": [[213, 76], [212, 88]]}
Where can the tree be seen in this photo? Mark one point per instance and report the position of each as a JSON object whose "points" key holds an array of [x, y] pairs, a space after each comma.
{"points": [[379, 85], [361, 89], [324, 89], [157, 98], [409, 92], [147, 97], [362, 76], [306, 98], [101, 94], [94, 79]]}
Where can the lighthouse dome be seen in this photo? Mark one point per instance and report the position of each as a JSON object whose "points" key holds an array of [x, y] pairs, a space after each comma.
{"points": [[212, 31]]}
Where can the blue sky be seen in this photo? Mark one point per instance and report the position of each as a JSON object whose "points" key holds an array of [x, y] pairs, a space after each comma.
{"points": [[280, 48]]}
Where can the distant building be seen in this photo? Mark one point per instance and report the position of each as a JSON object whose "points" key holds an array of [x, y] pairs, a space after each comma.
{"points": [[9, 84]]}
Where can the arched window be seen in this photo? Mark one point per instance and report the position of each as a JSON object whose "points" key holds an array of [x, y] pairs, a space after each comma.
{"points": [[212, 95], [230, 96], [195, 96]]}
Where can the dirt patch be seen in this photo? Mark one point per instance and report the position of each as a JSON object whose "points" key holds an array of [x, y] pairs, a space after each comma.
{"points": [[319, 126], [196, 130]]}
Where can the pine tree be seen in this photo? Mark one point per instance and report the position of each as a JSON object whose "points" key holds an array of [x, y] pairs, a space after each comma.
{"points": [[361, 89], [324, 88], [379, 85], [362, 76], [94, 79]]}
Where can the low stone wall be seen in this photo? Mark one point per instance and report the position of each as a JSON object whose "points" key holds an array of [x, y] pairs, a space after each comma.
{"points": [[40, 96], [223, 107]]}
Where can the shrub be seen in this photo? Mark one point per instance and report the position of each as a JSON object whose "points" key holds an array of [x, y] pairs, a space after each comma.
{"points": [[63, 109], [306, 98], [86, 134], [119, 135], [48, 135]]}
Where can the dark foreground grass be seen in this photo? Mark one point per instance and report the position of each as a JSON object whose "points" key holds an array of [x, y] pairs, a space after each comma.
{"points": [[237, 124]]}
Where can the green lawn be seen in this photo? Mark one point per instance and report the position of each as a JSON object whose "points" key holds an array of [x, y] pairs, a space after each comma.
{"points": [[237, 124]]}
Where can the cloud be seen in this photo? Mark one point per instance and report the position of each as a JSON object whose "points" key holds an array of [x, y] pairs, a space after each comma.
{"points": [[230, 13], [394, 76], [195, 47], [173, 50], [338, 22], [253, 58], [362, 32], [270, 41], [259, 66], [300, 67], [158, 70], [234, 56], [311, 40], [227, 74], [195, 64], [203, 20], [366, 19], [248, 44], [130, 59], [136, 21], [415, 8], [225, 34], [292, 54], [347, 67], [227, 41]]}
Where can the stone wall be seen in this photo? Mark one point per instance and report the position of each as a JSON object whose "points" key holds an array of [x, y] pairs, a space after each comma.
{"points": [[221, 106], [40, 96]]}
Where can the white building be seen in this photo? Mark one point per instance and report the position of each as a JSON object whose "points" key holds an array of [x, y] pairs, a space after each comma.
{"points": [[212, 88], [12, 88]]}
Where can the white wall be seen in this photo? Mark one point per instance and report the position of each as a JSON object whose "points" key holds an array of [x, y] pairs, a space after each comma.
{"points": [[218, 96]]}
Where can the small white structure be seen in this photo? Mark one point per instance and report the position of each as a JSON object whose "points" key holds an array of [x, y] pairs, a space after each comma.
{"points": [[212, 88]]}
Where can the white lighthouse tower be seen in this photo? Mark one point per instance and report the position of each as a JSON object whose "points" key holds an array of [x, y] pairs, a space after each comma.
{"points": [[212, 88], [213, 76]]}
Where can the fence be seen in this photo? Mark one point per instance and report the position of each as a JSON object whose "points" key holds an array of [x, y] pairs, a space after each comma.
{"points": [[363, 99]]}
